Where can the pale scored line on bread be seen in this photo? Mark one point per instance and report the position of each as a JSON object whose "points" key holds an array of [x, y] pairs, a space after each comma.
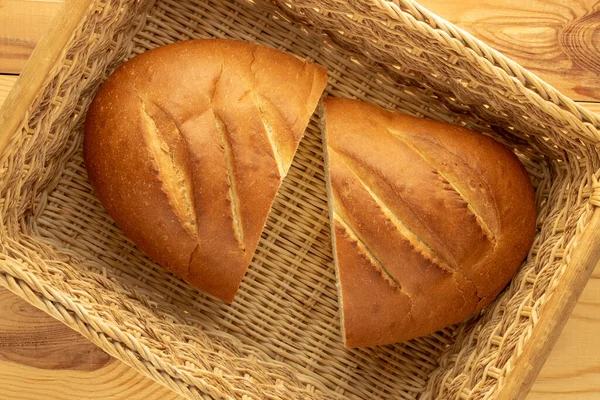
{"points": [[412, 238], [478, 219], [223, 134], [160, 151], [257, 99], [235, 207], [366, 250], [373, 260], [425, 250], [269, 131]]}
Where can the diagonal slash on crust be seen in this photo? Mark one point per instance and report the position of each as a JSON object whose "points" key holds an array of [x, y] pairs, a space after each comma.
{"points": [[169, 165], [413, 239], [489, 235], [227, 153], [416, 243], [480, 221]]}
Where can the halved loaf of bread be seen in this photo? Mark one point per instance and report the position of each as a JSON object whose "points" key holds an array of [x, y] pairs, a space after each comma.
{"points": [[186, 146], [430, 221]]}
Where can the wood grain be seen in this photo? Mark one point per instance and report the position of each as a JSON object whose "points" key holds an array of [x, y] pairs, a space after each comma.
{"points": [[113, 381], [6, 84], [43, 347], [593, 107], [42, 60], [559, 40], [40, 358], [585, 258], [572, 371], [22, 24]]}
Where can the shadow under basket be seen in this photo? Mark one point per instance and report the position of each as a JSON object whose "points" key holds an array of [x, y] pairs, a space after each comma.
{"points": [[281, 337]]}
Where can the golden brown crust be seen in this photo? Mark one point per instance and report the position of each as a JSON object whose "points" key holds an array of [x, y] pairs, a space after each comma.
{"points": [[186, 146], [442, 215]]}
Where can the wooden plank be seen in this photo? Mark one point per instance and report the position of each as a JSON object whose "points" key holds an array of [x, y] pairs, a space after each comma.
{"points": [[22, 24], [43, 347], [555, 39], [593, 107], [43, 358], [556, 313], [113, 381], [39, 65], [6, 84], [572, 370]]}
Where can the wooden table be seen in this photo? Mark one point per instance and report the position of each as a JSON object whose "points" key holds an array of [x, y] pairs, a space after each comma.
{"points": [[557, 39]]}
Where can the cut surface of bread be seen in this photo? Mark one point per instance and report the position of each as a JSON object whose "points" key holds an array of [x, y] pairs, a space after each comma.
{"points": [[186, 146], [430, 221]]}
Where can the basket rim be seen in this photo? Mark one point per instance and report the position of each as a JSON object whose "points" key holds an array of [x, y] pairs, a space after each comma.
{"points": [[586, 257], [42, 66], [69, 314], [528, 79], [544, 335]]}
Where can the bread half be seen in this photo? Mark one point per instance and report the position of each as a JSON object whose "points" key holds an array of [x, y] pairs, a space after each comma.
{"points": [[429, 220], [186, 146]]}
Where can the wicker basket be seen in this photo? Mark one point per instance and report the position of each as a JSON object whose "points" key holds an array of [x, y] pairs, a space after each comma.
{"points": [[280, 339]]}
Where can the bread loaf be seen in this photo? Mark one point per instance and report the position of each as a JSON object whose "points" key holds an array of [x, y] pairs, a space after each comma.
{"points": [[430, 221], [186, 146]]}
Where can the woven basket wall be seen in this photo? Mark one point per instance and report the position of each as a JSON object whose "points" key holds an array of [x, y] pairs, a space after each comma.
{"points": [[281, 338]]}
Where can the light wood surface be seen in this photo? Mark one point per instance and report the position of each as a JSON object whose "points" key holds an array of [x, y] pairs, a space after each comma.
{"points": [[22, 24], [40, 358], [563, 301], [43, 59], [572, 371], [6, 84], [557, 39]]}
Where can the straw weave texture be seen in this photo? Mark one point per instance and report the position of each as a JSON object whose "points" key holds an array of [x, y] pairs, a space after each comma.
{"points": [[281, 338]]}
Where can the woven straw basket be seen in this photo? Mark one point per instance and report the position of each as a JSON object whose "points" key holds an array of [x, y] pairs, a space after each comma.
{"points": [[281, 338]]}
